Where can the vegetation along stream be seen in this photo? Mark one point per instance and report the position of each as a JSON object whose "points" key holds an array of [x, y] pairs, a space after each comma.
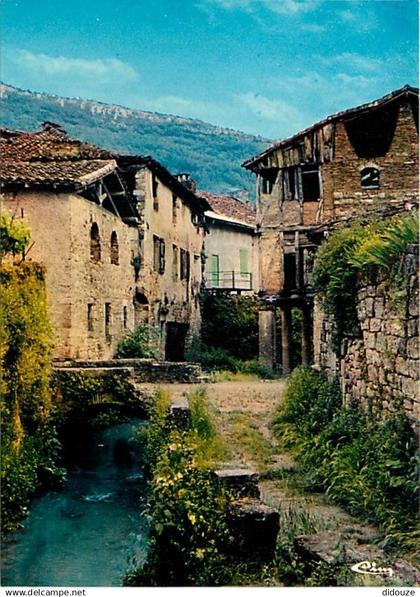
{"points": [[86, 533]]}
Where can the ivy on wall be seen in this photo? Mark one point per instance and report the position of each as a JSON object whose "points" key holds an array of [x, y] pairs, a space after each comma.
{"points": [[372, 251]]}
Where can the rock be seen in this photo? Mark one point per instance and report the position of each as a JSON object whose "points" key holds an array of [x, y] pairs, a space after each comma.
{"points": [[375, 324], [379, 305]]}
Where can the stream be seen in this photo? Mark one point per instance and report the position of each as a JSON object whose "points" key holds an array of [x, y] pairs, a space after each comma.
{"points": [[86, 533]]}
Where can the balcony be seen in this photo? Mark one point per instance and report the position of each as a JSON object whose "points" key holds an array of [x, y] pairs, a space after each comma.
{"points": [[229, 281]]}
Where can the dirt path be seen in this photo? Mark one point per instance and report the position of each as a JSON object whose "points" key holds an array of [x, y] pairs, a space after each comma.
{"points": [[242, 411]]}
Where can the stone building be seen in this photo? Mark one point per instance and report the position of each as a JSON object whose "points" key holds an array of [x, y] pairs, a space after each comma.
{"points": [[121, 239], [359, 161], [231, 246]]}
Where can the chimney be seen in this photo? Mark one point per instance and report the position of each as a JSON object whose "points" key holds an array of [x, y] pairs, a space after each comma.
{"points": [[52, 127], [186, 180]]}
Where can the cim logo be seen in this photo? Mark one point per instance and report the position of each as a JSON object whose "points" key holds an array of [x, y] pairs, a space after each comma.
{"points": [[367, 567]]}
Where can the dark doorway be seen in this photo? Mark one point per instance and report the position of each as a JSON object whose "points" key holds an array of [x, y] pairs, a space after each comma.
{"points": [[289, 261], [175, 341]]}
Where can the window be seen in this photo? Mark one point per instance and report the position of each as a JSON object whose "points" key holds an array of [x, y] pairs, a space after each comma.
{"points": [[90, 317], [301, 183], [125, 317], [155, 186], [266, 186], [185, 265], [175, 262], [174, 207], [215, 270], [95, 243], [369, 178], [268, 179], [158, 254], [243, 259], [115, 257], [107, 319]]}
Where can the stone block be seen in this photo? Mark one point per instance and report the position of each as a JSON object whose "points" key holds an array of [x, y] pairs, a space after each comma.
{"points": [[370, 340], [375, 324], [379, 306], [180, 414], [255, 527], [401, 366], [409, 387], [413, 327], [413, 348], [373, 357], [240, 482], [372, 373]]}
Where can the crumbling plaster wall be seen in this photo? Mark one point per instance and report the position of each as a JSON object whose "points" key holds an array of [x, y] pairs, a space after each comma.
{"points": [[342, 194], [226, 241], [381, 366]]}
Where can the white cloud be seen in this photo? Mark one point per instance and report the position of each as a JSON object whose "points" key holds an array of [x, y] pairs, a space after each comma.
{"points": [[283, 7], [357, 62], [101, 70], [270, 109]]}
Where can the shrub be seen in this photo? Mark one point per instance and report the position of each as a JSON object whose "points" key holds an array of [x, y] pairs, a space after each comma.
{"points": [[139, 343], [14, 236], [189, 533], [29, 444], [309, 404], [230, 323], [366, 464]]}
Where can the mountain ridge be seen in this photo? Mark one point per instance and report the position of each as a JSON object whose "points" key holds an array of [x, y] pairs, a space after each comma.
{"points": [[210, 153]]}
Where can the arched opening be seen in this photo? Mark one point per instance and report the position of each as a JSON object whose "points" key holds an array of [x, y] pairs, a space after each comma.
{"points": [[115, 254], [95, 243], [369, 178]]}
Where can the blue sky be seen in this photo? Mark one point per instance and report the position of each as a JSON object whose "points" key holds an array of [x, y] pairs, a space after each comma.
{"points": [[269, 67]]}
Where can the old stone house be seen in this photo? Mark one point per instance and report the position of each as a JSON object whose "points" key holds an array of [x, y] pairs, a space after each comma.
{"points": [[121, 239], [359, 161], [231, 246]]}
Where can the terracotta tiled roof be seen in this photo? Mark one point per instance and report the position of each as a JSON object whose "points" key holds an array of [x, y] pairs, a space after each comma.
{"points": [[50, 157], [229, 206], [63, 173], [51, 143]]}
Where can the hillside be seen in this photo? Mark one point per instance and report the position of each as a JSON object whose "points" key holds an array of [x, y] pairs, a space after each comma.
{"points": [[212, 155]]}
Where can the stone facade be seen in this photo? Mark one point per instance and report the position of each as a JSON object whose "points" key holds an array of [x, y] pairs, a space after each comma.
{"points": [[169, 285], [121, 239], [79, 288], [381, 365]]}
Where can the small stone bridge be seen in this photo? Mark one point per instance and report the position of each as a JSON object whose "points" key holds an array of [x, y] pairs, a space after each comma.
{"points": [[118, 383]]}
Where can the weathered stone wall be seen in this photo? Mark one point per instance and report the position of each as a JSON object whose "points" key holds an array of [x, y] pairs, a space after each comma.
{"points": [[381, 366], [141, 370], [399, 181]]}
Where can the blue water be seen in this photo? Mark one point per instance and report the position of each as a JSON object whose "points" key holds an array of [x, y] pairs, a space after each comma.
{"points": [[87, 533]]}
